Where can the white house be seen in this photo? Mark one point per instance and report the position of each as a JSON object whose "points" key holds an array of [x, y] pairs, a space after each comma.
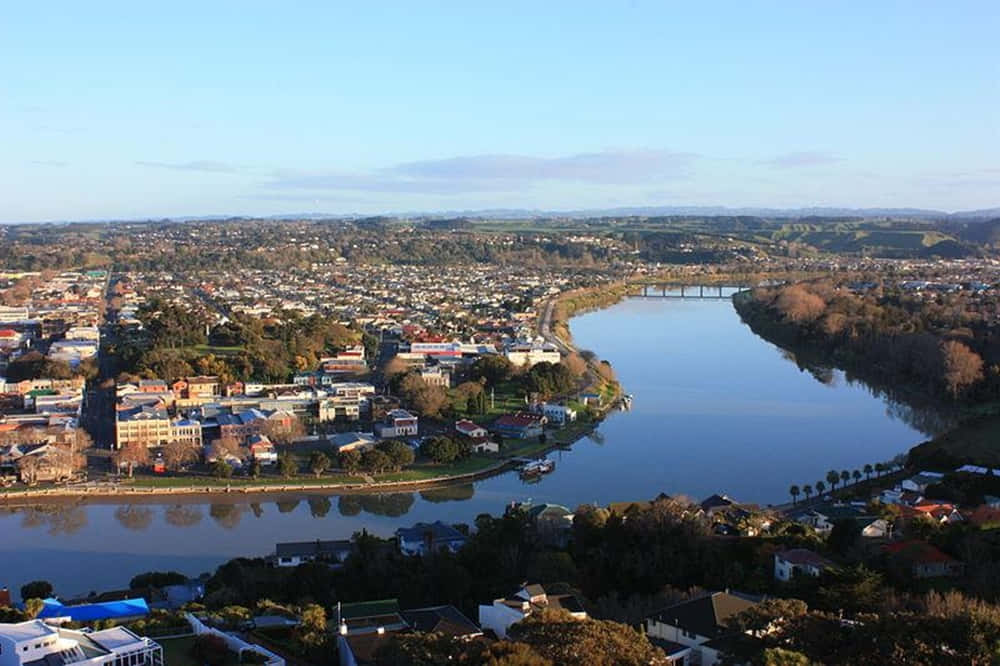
{"points": [[397, 423], [295, 553], [918, 483], [470, 429], [35, 642], [802, 561], [558, 414], [502, 613], [699, 624]]}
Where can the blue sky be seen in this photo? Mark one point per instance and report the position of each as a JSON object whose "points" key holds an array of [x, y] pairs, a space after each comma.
{"points": [[124, 110]]}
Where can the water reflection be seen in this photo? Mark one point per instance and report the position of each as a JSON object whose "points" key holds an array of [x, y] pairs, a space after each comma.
{"points": [[136, 518], [319, 506], [459, 493], [182, 515], [59, 519], [227, 515], [287, 506], [920, 413]]}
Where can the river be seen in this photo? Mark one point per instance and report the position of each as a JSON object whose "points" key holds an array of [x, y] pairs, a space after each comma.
{"points": [[717, 409]]}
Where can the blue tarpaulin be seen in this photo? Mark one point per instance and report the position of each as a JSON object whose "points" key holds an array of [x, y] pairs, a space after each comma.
{"points": [[107, 610]]}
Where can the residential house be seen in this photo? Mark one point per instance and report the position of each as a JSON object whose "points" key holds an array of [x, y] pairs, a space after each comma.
{"points": [[521, 425], [700, 624], [558, 414], [330, 552], [424, 538], [918, 483], [262, 449], [471, 430], [799, 561], [717, 504], [478, 435], [365, 627], [37, 643], [553, 522], [397, 423], [501, 614], [923, 560]]}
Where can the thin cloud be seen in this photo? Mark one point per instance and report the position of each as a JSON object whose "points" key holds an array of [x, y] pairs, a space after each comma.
{"points": [[499, 173], [802, 159], [609, 167], [197, 165], [49, 163]]}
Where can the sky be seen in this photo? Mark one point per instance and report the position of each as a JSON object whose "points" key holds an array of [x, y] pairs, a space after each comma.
{"points": [[144, 110]]}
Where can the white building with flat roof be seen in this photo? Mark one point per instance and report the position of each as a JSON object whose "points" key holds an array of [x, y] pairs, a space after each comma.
{"points": [[35, 643]]}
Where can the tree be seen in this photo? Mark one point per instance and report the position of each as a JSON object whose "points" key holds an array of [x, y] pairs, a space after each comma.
{"points": [[845, 476], [398, 453], [879, 468], [807, 490], [782, 657], [493, 369], [571, 642], [833, 478], [794, 492], [856, 475], [32, 607], [820, 488], [287, 464], [962, 367], [177, 453], [221, 469], [868, 472], [575, 364], [36, 589], [797, 304], [210, 650], [440, 449], [349, 461], [284, 433], [312, 629], [318, 463], [255, 469], [132, 454], [844, 536], [375, 461], [426, 399]]}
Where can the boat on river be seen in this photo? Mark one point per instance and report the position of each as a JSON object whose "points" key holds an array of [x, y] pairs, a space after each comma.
{"points": [[537, 468]]}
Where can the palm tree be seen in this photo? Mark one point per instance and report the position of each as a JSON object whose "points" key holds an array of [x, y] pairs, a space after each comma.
{"points": [[879, 468], [808, 491], [845, 476], [832, 477], [856, 475], [820, 487], [868, 472], [794, 492]]}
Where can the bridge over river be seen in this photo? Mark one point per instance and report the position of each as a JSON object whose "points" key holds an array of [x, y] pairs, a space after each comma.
{"points": [[704, 291]]}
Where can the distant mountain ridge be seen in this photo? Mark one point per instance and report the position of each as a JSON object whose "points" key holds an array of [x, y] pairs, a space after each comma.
{"points": [[627, 211]]}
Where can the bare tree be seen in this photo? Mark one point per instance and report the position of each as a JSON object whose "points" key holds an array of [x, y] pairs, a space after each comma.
{"points": [[177, 453], [962, 366], [132, 454]]}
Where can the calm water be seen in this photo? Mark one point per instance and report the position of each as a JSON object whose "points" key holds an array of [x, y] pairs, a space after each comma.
{"points": [[716, 409]]}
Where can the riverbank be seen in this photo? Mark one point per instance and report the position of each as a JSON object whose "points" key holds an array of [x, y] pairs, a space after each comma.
{"points": [[154, 489]]}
